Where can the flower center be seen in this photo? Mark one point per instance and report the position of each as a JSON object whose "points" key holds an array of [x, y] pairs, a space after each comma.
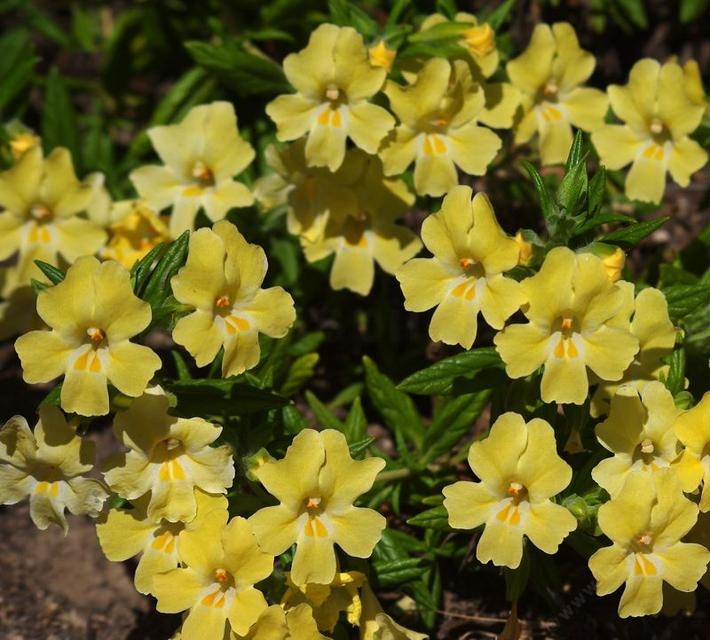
{"points": [[41, 212], [518, 492], [96, 336], [550, 90], [354, 229], [202, 174], [222, 302], [646, 452], [332, 93], [223, 582], [314, 526], [566, 328], [480, 39]]}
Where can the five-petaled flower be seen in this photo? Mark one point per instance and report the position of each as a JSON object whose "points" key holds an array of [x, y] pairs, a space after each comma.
{"points": [[659, 112], [202, 154], [465, 276], [334, 79], [92, 314], [316, 483], [520, 471], [222, 281], [48, 466]]}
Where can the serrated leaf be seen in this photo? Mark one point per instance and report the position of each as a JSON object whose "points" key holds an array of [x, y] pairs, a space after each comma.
{"points": [[442, 377], [355, 425], [395, 406], [395, 573], [685, 299], [54, 274], [324, 416], [300, 372], [434, 518], [59, 127], [451, 423], [631, 236]]}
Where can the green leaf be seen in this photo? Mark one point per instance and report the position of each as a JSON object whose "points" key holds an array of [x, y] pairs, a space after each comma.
{"points": [[396, 407], [635, 11], [573, 187], [444, 376], [597, 190], [348, 14], [59, 128], [441, 31], [692, 9], [355, 425], [434, 518], [499, 15], [203, 397], [631, 236], [684, 299], [602, 218], [451, 423], [323, 415], [300, 372], [183, 371], [356, 448], [142, 269], [578, 152], [394, 573], [17, 63], [675, 380], [242, 72], [293, 421], [547, 204], [54, 275]]}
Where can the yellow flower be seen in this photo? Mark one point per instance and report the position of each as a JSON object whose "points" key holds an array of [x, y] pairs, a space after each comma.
{"points": [[333, 79], [549, 74], [520, 471], [380, 55], [578, 320], [316, 484], [168, 457], [201, 156], [656, 335], [367, 233], [124, 533], [658, 113], [639, 432], [311, 194], [216, 587], [465, 276], [693, 430], [276, 624], [222, 282], [42, 201], [136, 231], [645, 526], [48, 466], [439, 127], [91, 315], [328, 600], [375, 624], [23, 141]]}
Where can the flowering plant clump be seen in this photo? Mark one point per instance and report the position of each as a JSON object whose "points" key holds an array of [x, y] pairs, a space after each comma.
{"points": [[349, 321]]}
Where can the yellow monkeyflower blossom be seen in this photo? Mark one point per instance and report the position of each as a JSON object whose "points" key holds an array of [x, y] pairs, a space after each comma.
{"points": [[579, 319], [380, 55], [375, 624], [48, 465], [656, 335], [639, 432], [41, 200], [216, 585], [124, 533], [368, 232], [202, 154], [135, 231], [222, 281], [23, 141], [520, 471], [549, 74], [439, 127], [465, 276], [316, 484], [167, 456], [276, 624], [328, 600], [658, 113], [645, 526], [91, 314], [333, 79], [693, 429]]}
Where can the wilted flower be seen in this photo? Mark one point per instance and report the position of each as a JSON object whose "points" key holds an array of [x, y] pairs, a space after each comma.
{"points": [[639, 432], [48, 466], [92, 314], [169, 457], [645, 525], [579, 319], [202, 154], [520, 471], [221, 281], [658, 114], [334, 79], [465, 276], [549, 74], [439, 127], [316, 484]]}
